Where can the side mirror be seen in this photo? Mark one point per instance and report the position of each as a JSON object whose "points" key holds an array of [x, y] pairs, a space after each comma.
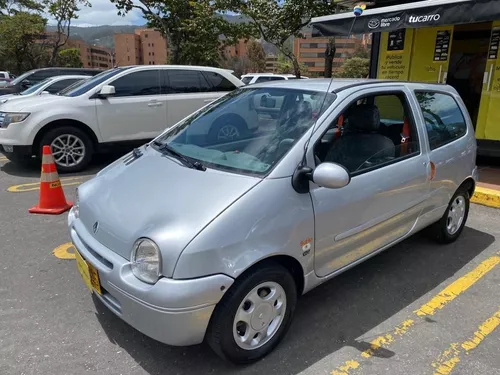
{"points": [[107, 90], [331, 176], [45, 93]]}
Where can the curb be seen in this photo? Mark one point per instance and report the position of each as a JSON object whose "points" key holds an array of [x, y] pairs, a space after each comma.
{"points": [[486, 197]]}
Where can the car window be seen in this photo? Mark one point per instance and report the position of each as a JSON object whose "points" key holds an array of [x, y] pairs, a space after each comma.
{"points": [[372, 132], [276, 78], [443, 117], [186, 81], [246, 130], [246, 80], [94, 81], [146, 82], [62, 84], [218, 82], [41, 75], [34, 88]]}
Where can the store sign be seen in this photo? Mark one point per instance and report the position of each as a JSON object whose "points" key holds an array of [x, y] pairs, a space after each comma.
{"points": [[448, 14]]}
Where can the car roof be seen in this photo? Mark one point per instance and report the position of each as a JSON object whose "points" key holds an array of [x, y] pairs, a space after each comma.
{"points": [[69, 76], [187, 67], [337, 85]]}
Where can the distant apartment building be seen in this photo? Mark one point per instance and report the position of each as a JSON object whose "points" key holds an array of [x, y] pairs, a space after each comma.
{"points": [[91, 56], [238, 50], [144, 47], [311, 51], [271, 63]]}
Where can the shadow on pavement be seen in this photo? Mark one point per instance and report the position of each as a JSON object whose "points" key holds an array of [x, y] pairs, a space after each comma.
{"points": [[328, 318], [32, 169]]}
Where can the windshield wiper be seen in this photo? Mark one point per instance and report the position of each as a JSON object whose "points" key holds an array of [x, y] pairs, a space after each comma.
{"points": [[165, 147]]}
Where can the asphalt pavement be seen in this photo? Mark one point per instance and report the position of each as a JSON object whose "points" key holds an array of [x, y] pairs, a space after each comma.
{"points": [[418, 308]]}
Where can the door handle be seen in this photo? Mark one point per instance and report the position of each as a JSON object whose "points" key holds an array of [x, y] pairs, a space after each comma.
{"points": [[154, 104]]}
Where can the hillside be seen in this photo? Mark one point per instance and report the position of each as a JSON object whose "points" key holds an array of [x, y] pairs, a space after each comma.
{"points": [[103, 35]]}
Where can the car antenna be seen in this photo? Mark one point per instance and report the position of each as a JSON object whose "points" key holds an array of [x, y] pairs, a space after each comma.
{"points": [[300, 184]]}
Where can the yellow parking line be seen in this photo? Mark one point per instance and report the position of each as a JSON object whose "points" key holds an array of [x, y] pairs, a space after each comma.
{"points": [[447, 361], [63, 251], [439, 301], [69, 181]]}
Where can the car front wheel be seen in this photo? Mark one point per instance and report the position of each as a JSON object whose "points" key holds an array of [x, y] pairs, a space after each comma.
{"points": [[71, 148], [452, 223], [254, 315]]}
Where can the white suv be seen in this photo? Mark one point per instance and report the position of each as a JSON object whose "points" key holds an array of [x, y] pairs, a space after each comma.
{"points": [[122, 106], [251, 78]]}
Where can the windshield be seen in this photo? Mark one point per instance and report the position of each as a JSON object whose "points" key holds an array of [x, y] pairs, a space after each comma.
{"points": [[248, 130], [21, 78], [72, 86], [94, 81], [246, 80], [36, 87]]}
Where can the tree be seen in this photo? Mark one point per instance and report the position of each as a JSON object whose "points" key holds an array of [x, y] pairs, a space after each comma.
{"points": [[69, 58], [63, 12], [361, 52], [193, 28], [278, 20], [256, 56], [285, 66], [329, 56], [354, 67], [18, 34]]}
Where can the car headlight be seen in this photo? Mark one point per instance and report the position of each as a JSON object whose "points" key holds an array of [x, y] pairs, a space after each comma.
{"points": [[76, 205], [146, 260], [7, 118]]}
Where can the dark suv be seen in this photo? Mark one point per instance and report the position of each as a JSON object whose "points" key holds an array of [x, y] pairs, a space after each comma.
{"points": [[32, 77]]}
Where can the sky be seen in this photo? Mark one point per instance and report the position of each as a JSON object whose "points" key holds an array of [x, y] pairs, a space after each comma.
{"points": [[103, 12]]}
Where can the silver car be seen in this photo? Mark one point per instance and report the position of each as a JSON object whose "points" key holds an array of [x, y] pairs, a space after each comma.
{"points": [[189, 239]]}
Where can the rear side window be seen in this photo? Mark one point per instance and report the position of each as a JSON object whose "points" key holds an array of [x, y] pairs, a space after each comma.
{"points": [[443, 117], [218, 82], [59, 85], [41, 75], [187, 81], [146, 82]]}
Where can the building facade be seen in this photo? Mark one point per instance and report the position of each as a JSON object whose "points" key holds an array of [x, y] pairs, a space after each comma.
{"points": [[144, 47], [311, 51]]}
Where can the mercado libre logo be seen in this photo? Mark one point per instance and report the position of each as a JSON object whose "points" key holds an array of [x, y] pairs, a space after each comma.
{"points": [[374, 23]]}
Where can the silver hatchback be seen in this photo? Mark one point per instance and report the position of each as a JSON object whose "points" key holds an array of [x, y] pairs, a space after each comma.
{"points": [[188, 238]]}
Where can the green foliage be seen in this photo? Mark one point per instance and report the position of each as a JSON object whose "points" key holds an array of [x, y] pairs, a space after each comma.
{"points": [[285, 66], [256, 56], [193, 28], [69, 58], [18, 34], [355, 67], [278, 20], [361, 52]]}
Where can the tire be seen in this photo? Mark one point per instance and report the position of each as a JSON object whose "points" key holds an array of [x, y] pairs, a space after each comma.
{"points": [[443, 231], [224, 328], [71, 134], [228, 128]]}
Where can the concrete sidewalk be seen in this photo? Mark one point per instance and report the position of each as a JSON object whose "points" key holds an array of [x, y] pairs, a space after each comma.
{"points": [[488, 189]]}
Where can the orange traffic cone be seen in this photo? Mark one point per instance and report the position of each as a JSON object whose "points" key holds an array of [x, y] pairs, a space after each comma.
{"points": [[52, 200]]}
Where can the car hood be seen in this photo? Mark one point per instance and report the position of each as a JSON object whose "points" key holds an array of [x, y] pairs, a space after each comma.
{"points": [[33, 103], [155, 196], [10, 97]]}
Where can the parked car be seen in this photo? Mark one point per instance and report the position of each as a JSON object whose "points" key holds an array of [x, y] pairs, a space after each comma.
{"points": [[188, 240], [251, 78], [33, 77], [126, 106], [5, 78], [48, 86]]}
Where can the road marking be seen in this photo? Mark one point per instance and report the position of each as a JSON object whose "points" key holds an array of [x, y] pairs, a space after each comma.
{"points": [[456, 288], [69, 181], [447, 361], [439, 301], [63, 251]]}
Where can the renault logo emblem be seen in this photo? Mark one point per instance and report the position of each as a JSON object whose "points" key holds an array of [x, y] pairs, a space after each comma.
{"points": [[95, 227]]}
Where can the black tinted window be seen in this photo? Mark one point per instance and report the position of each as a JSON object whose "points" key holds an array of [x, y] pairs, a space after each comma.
{"points": [[218, 82], [58, 86], [41, 75], [146, 82], [187, 81], [444, 120]]}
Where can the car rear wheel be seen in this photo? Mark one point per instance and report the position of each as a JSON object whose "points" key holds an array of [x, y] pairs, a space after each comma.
{"points": [[254, 315], [228, 128], [452, 223], [71, 148]]}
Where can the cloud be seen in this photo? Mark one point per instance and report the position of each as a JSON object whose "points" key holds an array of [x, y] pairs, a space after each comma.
{"points": [[103, 12]]}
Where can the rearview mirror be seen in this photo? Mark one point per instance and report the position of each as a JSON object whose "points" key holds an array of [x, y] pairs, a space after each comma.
{"points": [[331, 176], [107, 90]]}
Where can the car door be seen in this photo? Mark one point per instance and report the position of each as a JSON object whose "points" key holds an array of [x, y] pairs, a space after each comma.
{"points": [[187, 91], [387, 191], [137, 110]]}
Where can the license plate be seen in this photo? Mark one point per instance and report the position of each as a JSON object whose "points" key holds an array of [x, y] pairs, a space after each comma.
{"points": [[89, 274]]}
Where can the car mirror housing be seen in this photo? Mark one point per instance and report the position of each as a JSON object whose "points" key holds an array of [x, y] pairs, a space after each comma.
{"points": [[331, 176]]}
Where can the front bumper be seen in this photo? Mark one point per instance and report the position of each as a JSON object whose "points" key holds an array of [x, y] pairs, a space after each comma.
{"points": [[175, 312]]}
